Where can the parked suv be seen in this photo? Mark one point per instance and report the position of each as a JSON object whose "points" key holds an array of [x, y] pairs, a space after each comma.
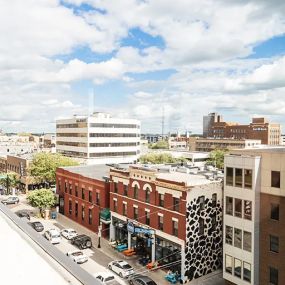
{"points": [[141, 280], [82, 241], [11, 200]]}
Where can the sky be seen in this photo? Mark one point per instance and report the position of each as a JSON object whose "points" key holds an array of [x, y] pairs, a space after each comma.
{"points": [[141, 59]]}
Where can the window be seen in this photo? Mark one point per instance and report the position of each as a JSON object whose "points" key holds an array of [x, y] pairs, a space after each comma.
{"points": [[214, 200], [175, 228], [175, 204], [98, 198], [76, 190], [274, 243], [238, 238], [161, 200], [160, 223], [147, 195], [273, 276], [229, 206], [247, 241], [229, 264], [247, 208], [274, 212], [147, 218], [136, 190], [238, 208], [229, 176], [125, 190], [201, 226], [70, 189], [65, 187], [70, 207], [125, 209], [76, 209], [90, 216], [82, 212], [115, 205], [90, 196], [246, 271], [83, 193], [115, 187], [248, 178], [275, 179], [229, 235], [237, 268], [238, 177], [202, 203], [136, 213]]}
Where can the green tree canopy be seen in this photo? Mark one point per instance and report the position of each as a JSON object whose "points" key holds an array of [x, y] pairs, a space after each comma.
{"points": [[42, 199], [217, 158], [9, 180], [44, 165], [160, 158], [159, 145]]}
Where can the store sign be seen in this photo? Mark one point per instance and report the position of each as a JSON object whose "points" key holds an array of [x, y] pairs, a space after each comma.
{"points": [[138, 230], [131, 227]]}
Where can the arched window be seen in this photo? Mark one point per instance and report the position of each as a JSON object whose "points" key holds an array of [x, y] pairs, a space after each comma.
{"points": [[147, 195], [136, 191]]}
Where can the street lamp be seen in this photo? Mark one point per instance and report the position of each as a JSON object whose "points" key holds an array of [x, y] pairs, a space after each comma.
{"points": [[99, 225]]}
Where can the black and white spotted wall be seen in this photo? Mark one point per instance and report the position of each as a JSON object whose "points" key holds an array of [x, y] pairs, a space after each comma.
{"points": [[203, 252]]}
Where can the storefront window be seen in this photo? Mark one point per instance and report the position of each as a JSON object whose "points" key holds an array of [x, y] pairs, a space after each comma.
{"points": [[238, 177], [70, 207], [229, 176], [248, 178]]}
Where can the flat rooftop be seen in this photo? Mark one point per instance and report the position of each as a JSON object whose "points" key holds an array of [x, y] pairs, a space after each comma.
{"points": [[260, 149], [97, 171]]}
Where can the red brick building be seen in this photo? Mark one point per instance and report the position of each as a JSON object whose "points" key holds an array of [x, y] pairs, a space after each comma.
{"points": [[168, 215], [84, 195]]}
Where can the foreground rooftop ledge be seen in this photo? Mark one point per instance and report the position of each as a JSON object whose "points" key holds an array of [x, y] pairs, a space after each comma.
{"points": [[65, 262]]}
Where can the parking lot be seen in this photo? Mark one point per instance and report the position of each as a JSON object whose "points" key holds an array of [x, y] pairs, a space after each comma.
{"points": [[98, 259]]}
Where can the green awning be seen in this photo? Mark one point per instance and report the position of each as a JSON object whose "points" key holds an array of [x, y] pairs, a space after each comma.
{"points": [[105, 214]]}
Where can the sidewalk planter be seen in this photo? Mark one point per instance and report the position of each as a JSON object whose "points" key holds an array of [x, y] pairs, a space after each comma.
{"points": [[46, 214]]}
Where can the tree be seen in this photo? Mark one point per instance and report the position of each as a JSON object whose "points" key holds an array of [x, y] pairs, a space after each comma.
{"points": [[160, 158], [42, 199], [159, 145], [217, 158], [44, 165], [9, 180]]}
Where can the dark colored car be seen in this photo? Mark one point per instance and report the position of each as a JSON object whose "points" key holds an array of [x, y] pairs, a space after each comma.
{"points": [[24, 214], [10, 200], [38, 226], [82, 241], [141, 280]]}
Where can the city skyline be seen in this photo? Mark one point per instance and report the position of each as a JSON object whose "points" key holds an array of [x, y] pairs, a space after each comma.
{"points": [[135, 58]]}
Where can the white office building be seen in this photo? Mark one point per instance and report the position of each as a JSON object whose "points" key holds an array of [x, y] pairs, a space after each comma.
{"points": [[99, 138], [241, 219]]}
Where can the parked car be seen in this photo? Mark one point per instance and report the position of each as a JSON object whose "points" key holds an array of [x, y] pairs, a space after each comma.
{"points": [[77, 256], [82, 241], [141, 280], [69, 233], [106, 278], [53, 236], [38, 226], [23, 214], [122, 268], [11, 200]]}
